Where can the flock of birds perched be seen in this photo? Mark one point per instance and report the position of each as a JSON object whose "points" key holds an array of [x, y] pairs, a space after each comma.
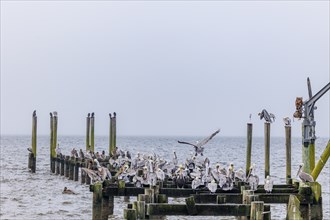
{"points": [[148, 169]]}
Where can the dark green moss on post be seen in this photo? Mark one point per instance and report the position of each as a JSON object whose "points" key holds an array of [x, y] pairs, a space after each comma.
{"points": [[191, 206], [130, 214], [97, 201]]}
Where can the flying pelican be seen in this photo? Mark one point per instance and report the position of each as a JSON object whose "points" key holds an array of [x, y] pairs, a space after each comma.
{"points": [[268, 184], [305, 177], [199, 149], [269, 117], [287, 121]]}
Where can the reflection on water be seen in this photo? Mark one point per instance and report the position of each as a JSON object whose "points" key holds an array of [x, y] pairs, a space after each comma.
{"points": [[39, 196]]}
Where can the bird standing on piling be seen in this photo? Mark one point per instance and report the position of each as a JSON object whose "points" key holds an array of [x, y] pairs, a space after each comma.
{"points": [[252, 178], [268, 184], [269, 117], [199, 149], [287, 121], [305, 177]]}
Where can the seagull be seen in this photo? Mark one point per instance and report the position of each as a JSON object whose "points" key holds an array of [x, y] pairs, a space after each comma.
{"points": [[268, 184], [305, 177], [199, 149], [68, 191], [287, 121], [269, 117]]}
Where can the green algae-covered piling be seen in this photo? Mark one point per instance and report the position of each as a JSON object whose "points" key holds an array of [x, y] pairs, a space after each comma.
{"points": [[191, 206], [97, 201], [130, 214], [267, 149], [88, 119], [322, 161], [92, 120], [293, 208], [140, 209], [34, 143], [248, 148], [288, 153]]}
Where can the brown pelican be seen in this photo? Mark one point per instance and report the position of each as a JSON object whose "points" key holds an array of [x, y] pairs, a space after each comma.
{"points": [[68, 191], [268, 184], [51, 115], [55, 114], [252, 178], [240, 175], [88, 115], [92, 115], [199, 149], [34, 114], [114, 114], [305, 177], [175, 159], [269, 117], [287, 121]]}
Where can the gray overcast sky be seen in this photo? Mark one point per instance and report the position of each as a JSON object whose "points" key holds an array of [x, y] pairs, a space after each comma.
{"points": [[166, 68]]}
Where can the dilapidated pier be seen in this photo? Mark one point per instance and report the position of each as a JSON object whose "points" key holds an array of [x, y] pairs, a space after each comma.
{"points": [[304, 199]]}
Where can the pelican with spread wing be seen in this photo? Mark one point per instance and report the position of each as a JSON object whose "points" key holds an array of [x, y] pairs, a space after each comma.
{"points": [[199, 149]]}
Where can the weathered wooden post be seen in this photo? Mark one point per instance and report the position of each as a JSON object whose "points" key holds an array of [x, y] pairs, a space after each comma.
{"points": [[76, 169], [57, 164], [51, 142], [288, 153], [112, 134], [53, 152], [111, 204], [97, 201], [67, 166], [34, 142], [87, 132], [82, 174], [62, 165], [71, 168], [191, 206], [92, 120], [257, 209], [267, 148], [248, 148]]}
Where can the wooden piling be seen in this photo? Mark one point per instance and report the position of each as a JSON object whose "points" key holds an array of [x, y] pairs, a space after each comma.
{"points": [[267, 149], [71, 168], [140, 208], [62, 166], [248, 148], [191, 206], [57, 164], [97, 201], [67, 166], [288, 153], [53, 152], [121, 187], [112, 134], [221, 199], [87, 133], [323, 160], [51, 142], [111, 151], [82, 174], [130, 214], [257, 209], [76, 169], [162, 198], [92, 120], [34, 142], [105, 208], [293, 208], [151, 194], [111, 205]]}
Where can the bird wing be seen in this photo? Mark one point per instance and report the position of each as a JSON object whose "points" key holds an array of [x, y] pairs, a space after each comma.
{"points": [[183, 142], [204, 141]]}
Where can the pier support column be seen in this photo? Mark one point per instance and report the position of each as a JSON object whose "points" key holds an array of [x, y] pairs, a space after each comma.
{"points": [[257, 209], [88, 119], [34, 143], [97, 201], [92, 120], [248, 148], [267, 149], [76, 169], [288, 153]]}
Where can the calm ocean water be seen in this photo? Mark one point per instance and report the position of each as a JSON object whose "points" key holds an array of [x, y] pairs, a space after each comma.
{"points": [[39, 196]]}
